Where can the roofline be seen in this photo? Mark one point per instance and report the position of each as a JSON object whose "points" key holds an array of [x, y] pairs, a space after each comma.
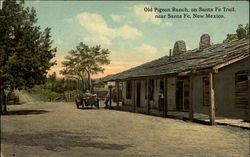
{"points": [[185, 73]]}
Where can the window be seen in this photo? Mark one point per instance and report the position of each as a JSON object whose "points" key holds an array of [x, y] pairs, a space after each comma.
{"points": [[151, 89], [206, 93], [241, 90], [128, 89]]}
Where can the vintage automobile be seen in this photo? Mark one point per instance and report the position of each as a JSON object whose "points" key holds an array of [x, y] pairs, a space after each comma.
{"points": [[87, 100]]}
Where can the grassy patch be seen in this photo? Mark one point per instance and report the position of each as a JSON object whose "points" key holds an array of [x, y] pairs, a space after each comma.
{"points": [[46, 94], [21, 100]]}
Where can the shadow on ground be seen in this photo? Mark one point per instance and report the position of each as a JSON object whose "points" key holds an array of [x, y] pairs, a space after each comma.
{"points": [[88, 108], [59, 140], [25, 112]]}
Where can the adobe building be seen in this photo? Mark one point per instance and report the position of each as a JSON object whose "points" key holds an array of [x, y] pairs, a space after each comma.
{"points": [[212, 80]]}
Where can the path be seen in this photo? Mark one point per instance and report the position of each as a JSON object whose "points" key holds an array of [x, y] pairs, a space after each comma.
{"points": [[28, 98]]}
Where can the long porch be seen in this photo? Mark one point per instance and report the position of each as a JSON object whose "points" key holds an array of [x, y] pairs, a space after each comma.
{"points": [[162, 95], [197, 117]]}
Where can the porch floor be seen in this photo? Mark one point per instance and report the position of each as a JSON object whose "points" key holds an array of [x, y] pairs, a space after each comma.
{"points": [[199, 117], [205, 118]]}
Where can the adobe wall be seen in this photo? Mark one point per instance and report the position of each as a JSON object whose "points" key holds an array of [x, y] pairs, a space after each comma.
{"points": [[224, 82], [224, 88], [171, 93], [198, 106]]}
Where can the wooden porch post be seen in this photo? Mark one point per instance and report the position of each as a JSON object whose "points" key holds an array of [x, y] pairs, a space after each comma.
{"points": [[148, 104], [212, 103], [122, 89], [134, 100], [165, 97], [191, 110], [110, 97], [117, 92]]}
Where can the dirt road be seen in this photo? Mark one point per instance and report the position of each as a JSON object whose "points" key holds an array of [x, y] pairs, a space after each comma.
{"points": [[29, 99], [61, 130]]}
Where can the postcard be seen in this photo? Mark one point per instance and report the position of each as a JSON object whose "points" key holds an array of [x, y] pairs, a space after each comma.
{"points": [[124, 78]]}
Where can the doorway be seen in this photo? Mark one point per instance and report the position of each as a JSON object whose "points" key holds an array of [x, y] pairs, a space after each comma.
{"points": [[182, 95], [138, 94]]}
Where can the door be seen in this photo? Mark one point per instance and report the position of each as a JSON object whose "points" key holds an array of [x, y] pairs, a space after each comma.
{"points": [[182, 95], [138, 94], [179, 95]]}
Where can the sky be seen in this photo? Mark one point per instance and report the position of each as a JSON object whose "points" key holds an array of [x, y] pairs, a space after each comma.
{"points": [[131, 31]]}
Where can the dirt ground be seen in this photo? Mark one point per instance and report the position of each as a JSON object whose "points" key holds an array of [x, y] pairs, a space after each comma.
{"points": [[61, 130]]}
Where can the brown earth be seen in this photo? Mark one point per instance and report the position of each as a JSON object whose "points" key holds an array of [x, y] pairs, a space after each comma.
{"points": [[61, 130]]}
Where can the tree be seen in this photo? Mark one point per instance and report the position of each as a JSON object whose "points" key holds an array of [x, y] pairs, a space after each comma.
{"points": [[241, 33], [25, 50], [51, 81], [85, 61]]}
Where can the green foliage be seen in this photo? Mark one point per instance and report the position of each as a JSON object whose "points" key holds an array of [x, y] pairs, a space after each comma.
{"points": [[46, 94], [85, 61], [98, 84], [241, 33], [26, 51], [59, 85], [52, 77], [56, 89]]}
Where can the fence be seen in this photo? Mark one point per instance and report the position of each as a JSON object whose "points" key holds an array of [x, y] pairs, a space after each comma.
{"points": [[69, 97]]}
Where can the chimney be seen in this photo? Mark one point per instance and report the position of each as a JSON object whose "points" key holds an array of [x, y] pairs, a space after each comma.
{"points": [[170, 54], [204, 41], [179, 47]]}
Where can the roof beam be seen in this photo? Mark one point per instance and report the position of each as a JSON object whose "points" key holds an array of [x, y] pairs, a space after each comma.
{"points": [[229, 62]]}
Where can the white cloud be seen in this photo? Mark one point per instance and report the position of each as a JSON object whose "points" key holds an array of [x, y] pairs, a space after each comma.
{"points": [[145, 53], [127, 32], [97, 39], [98, 28], [137, 55], [93, 23], [144, 16], [147, 16], [117, 18], [146, 50]]}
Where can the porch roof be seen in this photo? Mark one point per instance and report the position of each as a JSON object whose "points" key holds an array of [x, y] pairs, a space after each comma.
{"points": [[193, 60]]}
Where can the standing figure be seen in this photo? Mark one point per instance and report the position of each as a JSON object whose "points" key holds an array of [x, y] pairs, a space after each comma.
{"points": [[79, 100]]}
